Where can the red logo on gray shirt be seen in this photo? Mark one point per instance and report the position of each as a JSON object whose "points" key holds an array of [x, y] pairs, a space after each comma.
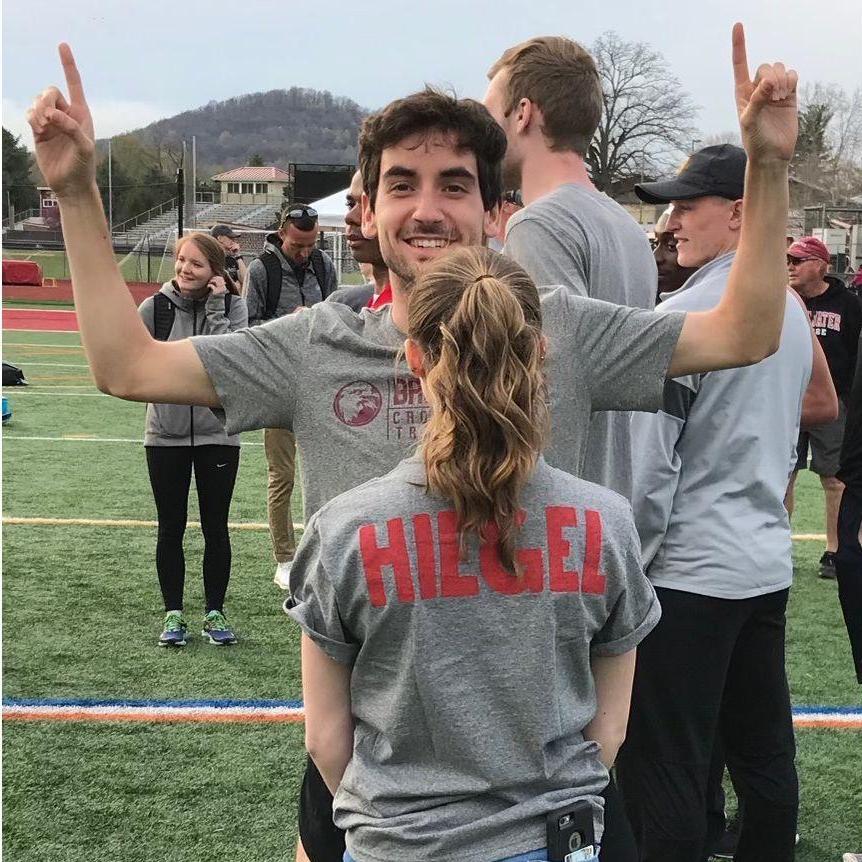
{"points": [[358, 403]]}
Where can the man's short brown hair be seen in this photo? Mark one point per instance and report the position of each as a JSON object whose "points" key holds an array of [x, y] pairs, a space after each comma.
{"points": [[431, 111], [560, 77]]}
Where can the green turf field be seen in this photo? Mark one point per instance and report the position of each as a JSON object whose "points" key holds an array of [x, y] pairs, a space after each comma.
{"points": [[82, 612]]}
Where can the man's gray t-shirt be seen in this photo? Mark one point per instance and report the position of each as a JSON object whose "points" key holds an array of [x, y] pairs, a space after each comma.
{"points": [[470, 689], [331, 376], [580, 238]]}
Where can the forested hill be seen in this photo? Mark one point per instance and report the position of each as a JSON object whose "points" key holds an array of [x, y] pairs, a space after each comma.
{"points": [[280, 126]]}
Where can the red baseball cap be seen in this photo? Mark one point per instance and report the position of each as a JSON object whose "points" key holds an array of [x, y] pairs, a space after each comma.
{"points": [[809, 246]]}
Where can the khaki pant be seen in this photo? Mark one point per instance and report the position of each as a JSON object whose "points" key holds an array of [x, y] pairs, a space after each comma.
{"points": [[280, 448]]}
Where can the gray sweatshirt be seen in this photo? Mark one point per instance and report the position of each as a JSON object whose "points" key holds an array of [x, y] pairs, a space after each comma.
{"points": [[180, 424], [291, 296]]}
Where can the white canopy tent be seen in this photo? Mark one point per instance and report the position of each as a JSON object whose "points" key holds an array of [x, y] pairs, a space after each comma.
{"points": [[331, 210]]}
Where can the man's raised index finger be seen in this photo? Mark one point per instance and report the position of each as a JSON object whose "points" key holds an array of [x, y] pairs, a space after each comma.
{"points": [[73, 77], [740, 58]]}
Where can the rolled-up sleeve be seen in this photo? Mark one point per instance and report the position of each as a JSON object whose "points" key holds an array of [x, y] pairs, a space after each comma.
{"points": [[315, 605]]}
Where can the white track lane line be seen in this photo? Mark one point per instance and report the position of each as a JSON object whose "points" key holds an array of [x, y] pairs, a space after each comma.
{"points": [[9, 343]]}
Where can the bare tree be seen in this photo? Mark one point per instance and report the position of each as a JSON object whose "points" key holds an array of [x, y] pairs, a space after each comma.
{"points": [[828, 158], [647, 117]]}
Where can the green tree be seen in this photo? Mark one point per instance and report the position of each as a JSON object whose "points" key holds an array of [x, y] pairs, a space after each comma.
{"points": [[255, 160], [813, 138], [118, 189], [17, 162]]}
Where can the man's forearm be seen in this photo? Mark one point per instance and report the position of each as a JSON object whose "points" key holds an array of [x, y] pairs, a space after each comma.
{"points": [[753, 304], [111, 329]]}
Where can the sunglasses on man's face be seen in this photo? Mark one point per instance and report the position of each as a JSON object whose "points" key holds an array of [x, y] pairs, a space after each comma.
{"points": [[796, 261]]}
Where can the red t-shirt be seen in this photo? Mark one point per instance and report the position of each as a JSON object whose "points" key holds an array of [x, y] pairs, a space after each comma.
{"points": [[382, 298]]}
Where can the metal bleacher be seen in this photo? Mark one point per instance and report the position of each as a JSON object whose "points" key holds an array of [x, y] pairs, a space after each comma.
{"points": [[163, 226]]}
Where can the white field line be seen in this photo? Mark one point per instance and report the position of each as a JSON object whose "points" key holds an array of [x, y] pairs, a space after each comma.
{"points": [[136, 440], [52, 331], [125, 523], [9, 343], [40, 310], [50, 364], [238, 525], [267, 714], [18, 393]]}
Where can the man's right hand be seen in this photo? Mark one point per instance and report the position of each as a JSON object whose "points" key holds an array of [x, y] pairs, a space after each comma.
{"points": [[63, 134]]}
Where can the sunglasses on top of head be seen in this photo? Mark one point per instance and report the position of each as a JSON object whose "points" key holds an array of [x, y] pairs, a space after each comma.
{"points": [[300, 212]]}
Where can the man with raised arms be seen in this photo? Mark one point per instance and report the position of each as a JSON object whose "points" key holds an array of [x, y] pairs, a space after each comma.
{"points": [[431, 171]]}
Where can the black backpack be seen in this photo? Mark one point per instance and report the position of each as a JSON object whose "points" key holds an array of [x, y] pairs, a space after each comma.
{"points": [[164, 311], [273, 279], [13, 375]]}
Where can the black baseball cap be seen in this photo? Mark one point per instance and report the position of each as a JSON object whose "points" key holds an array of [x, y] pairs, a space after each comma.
{"points": [[718, 170], [224, 230]]}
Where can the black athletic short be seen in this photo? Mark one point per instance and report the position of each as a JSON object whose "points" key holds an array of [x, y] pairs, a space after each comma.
{"points": [[322, 840]]}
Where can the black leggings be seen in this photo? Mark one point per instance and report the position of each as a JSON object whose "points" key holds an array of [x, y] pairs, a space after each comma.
{"points": [[170, 476]]}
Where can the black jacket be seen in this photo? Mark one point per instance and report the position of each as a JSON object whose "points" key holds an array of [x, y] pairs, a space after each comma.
{"points": [[836, 315]]}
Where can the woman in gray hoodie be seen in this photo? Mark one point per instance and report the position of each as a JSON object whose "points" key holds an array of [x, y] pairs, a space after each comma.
{"points": [[201, 299]]}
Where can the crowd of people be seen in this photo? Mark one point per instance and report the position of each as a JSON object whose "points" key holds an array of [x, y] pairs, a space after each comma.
{"points": [[546, 557]]}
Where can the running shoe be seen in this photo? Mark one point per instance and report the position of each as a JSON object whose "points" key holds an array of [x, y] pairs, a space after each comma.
{"points": [[282, 575], [216, 629], [174, 633]]}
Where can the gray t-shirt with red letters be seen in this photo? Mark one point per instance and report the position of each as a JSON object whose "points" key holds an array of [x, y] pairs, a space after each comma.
{"points": [[470, 689], [333, 377]]}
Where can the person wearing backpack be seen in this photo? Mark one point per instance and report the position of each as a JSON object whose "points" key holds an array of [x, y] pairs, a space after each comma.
{"points": [[201, 299], [291, 274]]}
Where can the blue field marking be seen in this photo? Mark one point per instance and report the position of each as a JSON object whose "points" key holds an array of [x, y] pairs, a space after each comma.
{"points": [[827, 710], [224, 703]]}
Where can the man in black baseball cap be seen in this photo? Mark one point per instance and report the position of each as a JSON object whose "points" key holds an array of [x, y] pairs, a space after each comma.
{"points": [[227, 238], [706, 195], [709, 472]]}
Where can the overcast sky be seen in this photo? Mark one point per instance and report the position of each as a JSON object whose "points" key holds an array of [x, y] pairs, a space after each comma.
{"points": [[142, 61]]}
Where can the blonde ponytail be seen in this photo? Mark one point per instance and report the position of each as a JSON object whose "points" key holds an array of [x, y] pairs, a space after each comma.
{"points": [[477, 317]]}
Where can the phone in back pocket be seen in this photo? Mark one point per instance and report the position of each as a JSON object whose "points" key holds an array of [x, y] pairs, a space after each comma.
{"points": [[571, 833]]}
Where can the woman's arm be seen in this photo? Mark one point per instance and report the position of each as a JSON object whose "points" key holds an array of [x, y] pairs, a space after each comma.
{"points": [[328, 719], [613, 677]]}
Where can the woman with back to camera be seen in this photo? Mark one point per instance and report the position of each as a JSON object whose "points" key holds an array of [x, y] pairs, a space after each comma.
{"points": [[201, 299], [470, 619]]}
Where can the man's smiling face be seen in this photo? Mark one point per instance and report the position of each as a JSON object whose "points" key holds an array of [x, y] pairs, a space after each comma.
{"points": [[428, 200]]}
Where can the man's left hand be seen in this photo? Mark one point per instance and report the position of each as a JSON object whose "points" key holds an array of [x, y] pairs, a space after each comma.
{"points": [[766, 107]]}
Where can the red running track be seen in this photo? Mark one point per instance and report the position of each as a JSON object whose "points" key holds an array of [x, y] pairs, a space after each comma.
{"points": [[43, 319]]}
